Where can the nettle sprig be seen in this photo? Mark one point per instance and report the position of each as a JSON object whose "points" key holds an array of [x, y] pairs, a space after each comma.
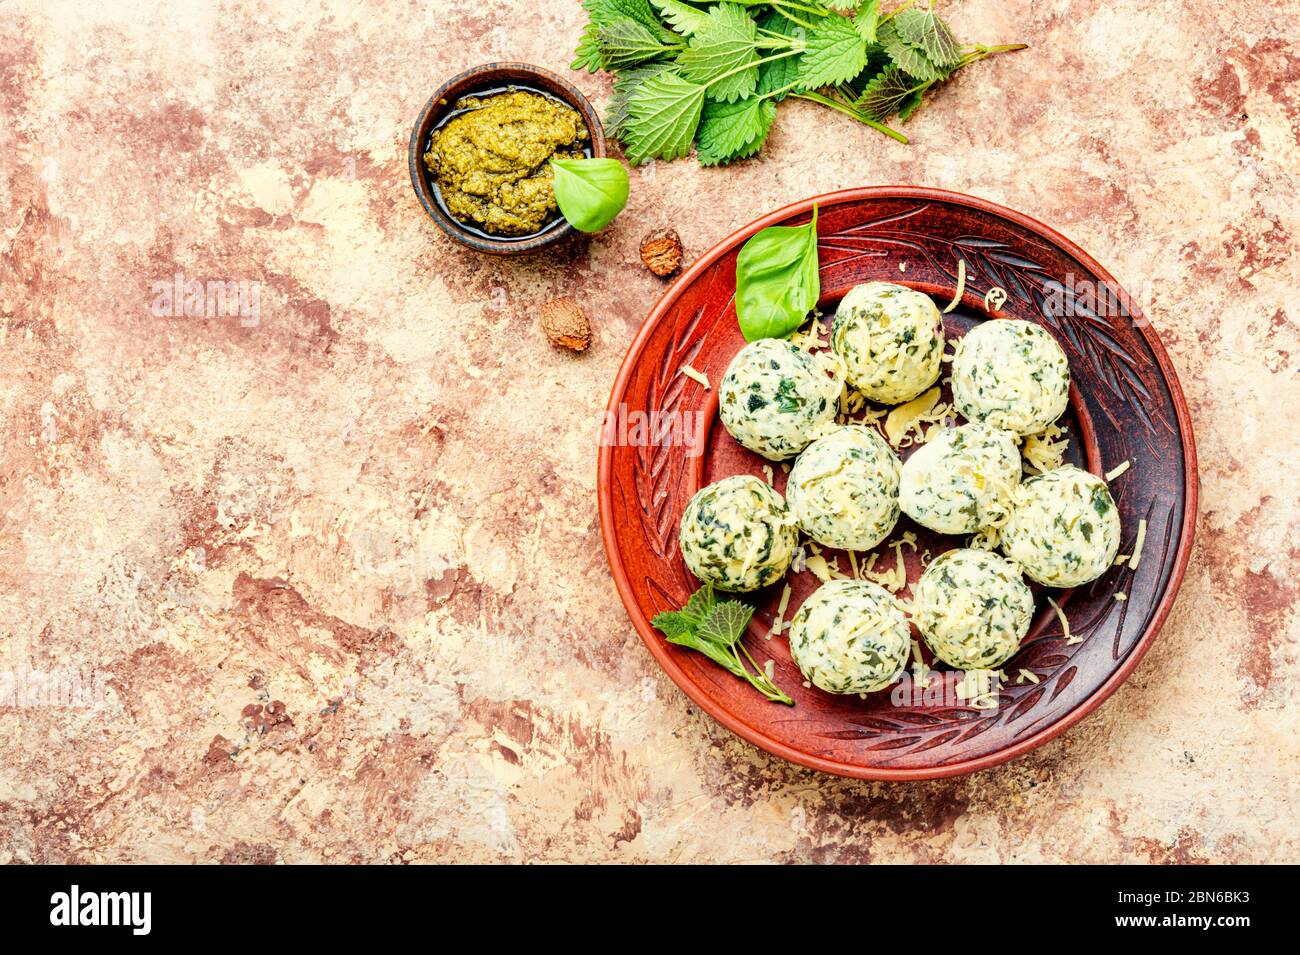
{"points": [[714, 628], [711, 75]]}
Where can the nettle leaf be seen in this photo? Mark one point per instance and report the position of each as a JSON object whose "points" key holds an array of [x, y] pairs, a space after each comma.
{"points": [[590, 192], [779, 74], [907, 109], [835, 53], [885, 94], [716, 652], [672, 623], [843, 6], [723, 45], [625, 84], [587, 55], [624, 42], [867, 20], [924, 29], [603, 11], [683, 17], [731, 131], [663, 115], [906, 57], [726, 623], [699, 604]]}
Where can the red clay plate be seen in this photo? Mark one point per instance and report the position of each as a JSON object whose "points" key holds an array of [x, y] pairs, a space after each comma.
{"points": [[1126, 405]]}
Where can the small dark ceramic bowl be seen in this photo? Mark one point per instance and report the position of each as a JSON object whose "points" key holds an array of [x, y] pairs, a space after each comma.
{"points": [[492, 76]]}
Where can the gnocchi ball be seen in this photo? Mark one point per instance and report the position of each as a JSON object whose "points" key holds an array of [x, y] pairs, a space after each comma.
{"points": [[843, 489], [850, 636], [1010, 374], [891, 340], [776, 397], [973, 608], [961, 481], [1064, 528], [738, 534]]}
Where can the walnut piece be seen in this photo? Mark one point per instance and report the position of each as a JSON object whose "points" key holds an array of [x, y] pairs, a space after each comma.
{"points": [[662, 252], [565, 324]]}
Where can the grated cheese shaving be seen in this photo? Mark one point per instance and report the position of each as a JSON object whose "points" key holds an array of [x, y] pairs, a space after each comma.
{"points": [[961, 286], [920, 671], [1119, 469], [995, 299], [694, 375], [1120, 595], [1042, 452], [780, 612], [817, 564], [906, 416], [1137, 544], [767, 473], [1070, 639], [976, 687], [1029, 675]]}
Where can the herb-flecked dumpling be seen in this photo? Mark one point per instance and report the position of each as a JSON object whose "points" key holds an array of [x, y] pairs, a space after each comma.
{"points": [[1064, 528], [843, 488], [738, 534], [1010, 374], [891, 339], [850, 636], [776, 397], [973, 608], [961, 481]]}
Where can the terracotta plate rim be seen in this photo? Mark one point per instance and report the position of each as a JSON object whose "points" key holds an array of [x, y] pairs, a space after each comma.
{"points": [[836, 767]]}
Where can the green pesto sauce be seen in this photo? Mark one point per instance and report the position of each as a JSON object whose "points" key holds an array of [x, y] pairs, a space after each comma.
{"points": [[491, 162]]}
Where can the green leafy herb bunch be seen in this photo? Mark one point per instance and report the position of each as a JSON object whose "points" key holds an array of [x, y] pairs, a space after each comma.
{"points": [[711, 74]]}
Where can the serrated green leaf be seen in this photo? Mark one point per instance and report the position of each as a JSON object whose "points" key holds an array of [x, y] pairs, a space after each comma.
{"points": [[730, 131], [883, 96], [624, 42], [780, 74], [603, 11], [835, 53], [718, 654], [699, 604], [910, 59], [625, 83], [720, 53], [927, 31], [587, 55], [672, 623], [842, 6], [663, 114], [725, 623], [907, 109], [683, 17], [866, 20]]}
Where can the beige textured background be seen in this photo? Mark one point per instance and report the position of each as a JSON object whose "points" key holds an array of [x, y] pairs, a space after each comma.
{"points": [[355, 545]]}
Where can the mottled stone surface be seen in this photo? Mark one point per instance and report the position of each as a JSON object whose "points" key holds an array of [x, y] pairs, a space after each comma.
{"points": [[334, 578]]}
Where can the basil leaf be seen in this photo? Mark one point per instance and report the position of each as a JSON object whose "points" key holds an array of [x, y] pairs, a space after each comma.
{"points": [[590, 192], [777, 283]]}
